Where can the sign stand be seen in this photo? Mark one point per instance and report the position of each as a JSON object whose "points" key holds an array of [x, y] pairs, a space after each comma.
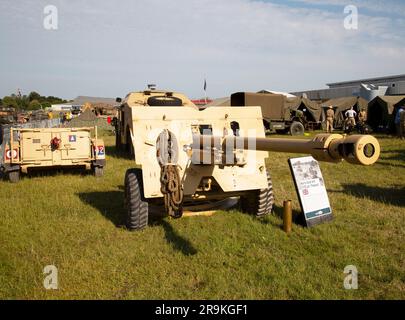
{"points": [[310, 187]]}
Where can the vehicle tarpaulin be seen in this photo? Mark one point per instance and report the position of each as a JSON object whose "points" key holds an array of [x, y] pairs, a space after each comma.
{"points": [[272, 104]]}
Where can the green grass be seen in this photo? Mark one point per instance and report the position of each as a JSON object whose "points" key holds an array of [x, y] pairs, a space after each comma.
{"points": [[73, 221]]}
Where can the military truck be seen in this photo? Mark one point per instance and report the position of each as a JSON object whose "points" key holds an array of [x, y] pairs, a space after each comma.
{"points": [[23, 149], [282, 114], [183, 155]]}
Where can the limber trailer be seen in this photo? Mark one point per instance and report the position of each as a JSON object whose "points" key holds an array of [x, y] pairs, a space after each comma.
{"points": [[23, 149]]}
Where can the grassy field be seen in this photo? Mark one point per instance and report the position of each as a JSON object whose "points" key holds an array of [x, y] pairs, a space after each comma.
{"points": [[74, 221]]}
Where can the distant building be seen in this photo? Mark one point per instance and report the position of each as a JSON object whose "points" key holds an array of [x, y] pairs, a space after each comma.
{"points": [[80, 101], [64, 107], [220, 102], [366, 88], [287, 95], [201, 102]]}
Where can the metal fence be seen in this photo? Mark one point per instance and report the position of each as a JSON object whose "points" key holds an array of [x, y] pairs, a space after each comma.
{"points": [[5, 132]]}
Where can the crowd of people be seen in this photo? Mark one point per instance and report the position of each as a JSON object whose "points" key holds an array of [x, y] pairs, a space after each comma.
{"points": [[66, 116], [350, 118], [353, 119]]}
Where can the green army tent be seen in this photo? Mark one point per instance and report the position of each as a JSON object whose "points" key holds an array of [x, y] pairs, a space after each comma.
{"points": [[382, 111], [312, 110]]}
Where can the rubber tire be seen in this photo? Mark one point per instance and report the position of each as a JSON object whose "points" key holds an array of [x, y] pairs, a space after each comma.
{"points": [[259, 202], [14, 176], [137, 207], [297, 129], [164, 101], [98, 171]]}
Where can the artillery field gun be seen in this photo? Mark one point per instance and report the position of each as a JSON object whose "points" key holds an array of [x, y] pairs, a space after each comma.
{"points": [[186, 155]]}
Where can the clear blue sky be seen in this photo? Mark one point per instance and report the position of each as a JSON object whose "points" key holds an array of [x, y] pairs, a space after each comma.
{"points": [[106, 48]]}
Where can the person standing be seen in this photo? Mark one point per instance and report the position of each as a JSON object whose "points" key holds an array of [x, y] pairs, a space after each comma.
{"points": [[402, 123], [399, 122], [69, 116], [362, 116], [351, 115], [330, 116]]}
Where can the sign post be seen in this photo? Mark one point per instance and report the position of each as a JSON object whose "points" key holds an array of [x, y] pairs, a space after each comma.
{"points": [[310, 187]]}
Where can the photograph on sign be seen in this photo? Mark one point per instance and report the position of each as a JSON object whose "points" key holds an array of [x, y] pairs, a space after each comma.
{"points": [[311, 190]]}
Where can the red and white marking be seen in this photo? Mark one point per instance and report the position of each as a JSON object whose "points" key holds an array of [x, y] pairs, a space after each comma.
{"points": [[11, 154]]}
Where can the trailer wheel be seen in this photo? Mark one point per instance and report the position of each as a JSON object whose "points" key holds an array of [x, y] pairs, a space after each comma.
{"points": [[259, 202], [98, 171], [297, 129], [137, 207], [14, 176]]}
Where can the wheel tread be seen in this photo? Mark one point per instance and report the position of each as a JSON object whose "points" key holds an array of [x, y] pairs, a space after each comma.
{"points": [[137, 207], [259, 202]]}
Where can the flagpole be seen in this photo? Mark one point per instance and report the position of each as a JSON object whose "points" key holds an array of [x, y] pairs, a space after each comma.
{"points": [[205, 90]]}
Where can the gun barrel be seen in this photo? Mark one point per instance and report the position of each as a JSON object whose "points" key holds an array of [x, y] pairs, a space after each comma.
{"points": [[355, 149]]}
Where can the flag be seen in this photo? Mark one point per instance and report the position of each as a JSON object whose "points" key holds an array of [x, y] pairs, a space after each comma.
{"points": [[205, 85]]}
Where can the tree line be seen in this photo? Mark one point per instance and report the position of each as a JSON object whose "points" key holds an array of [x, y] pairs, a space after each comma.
{"points": [[33, 101]]}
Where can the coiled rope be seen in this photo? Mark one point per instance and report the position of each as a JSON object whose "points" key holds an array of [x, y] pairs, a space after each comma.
{"points": [[171, 185]]}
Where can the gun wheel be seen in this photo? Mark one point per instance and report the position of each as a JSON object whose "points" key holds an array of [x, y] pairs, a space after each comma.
{"points": [[137, 207], [98, 171], [259, 202], [14, 176]]}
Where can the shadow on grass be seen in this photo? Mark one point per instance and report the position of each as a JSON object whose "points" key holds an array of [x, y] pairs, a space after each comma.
{"points": [[113, 152], [392, 155], [175, 240], [382, 163], [111, 205], [297, 218], [55, 171], [393, 196], [398, 155]]}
